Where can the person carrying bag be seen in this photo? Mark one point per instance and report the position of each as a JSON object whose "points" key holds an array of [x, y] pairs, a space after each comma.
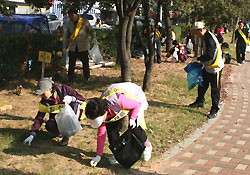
{"points": [[106, 113]]}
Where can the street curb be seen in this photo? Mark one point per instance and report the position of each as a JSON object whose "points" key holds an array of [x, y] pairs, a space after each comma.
{"points": [[192, 137]]}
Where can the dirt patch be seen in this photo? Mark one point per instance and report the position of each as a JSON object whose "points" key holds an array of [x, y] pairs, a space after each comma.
{"points": [[45, 156]]}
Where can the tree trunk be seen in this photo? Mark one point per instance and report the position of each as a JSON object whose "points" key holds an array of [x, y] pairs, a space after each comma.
{"points": [[122, 51], [129, 34], [168, 26], [126, 12], [149, 61]]}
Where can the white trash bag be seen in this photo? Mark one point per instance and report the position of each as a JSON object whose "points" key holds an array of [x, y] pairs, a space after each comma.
{"points": [[95, 54], [67, 121], [248, 48]]}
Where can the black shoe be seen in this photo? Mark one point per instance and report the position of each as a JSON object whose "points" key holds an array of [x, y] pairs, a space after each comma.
{"points": [[213, 114], [64, 141], [197, 105]]}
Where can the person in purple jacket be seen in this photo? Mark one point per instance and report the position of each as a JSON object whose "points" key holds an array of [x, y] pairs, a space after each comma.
{"points": [[53, 98]]}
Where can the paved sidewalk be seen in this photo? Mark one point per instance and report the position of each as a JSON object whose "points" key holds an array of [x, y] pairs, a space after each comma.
{"points": [[224, 148]]}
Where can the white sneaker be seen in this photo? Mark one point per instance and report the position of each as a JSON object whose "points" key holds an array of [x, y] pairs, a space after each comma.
{"points": [[243, 61], [112, 160], [238, 64], [147, 153]]}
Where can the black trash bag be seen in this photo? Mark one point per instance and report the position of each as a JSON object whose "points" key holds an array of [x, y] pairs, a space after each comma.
{"points": [[228, 58], [128, 149]]}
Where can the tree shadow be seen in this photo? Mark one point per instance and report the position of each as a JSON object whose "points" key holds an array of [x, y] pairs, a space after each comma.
{"points": [[42, 144], [45, 144], [175, 106], [4, 171], [11, 117]]}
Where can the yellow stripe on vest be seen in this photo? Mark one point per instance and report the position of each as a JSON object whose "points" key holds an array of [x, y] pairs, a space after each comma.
{"points": [[244, 36], [120, 115], [215, 64], [50, 109], [78, 26], [119, 90], [55, 109], [123, 113]]}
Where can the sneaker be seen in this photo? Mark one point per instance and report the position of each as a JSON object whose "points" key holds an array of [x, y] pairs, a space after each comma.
{"points": [[65, 141], [213, 114], [197, 105], [238, 64], [147, 153], [112, 160], [243, 61]]}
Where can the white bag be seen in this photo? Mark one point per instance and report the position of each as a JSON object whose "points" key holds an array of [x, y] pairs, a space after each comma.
{"points": [[67, 121], [248, 48], [175, 55], [95, 54], [190, 45]]}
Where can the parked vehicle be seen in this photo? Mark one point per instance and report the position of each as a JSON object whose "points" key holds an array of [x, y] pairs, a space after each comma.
{"points": [[92, 18], [54, 22], [19, 23]]}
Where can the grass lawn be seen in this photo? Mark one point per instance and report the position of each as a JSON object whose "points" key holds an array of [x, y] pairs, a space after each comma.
{"points": [[169, 120]]}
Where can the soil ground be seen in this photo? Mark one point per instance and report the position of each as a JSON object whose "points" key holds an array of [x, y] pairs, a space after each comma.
{"points": [[44, 156]]}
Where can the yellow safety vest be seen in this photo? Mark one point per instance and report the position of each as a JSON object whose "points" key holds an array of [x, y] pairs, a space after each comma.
{"points": [[243, 36], [123, 113], [215, 64], [55, 109], [78, 26]]}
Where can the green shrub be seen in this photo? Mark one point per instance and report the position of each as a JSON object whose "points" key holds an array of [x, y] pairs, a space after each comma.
{"points": [[13, 49], [107, 41], [18, 50]]}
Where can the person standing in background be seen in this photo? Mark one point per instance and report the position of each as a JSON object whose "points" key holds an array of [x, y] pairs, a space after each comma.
{"points": [[241, 39], [77, 39], [213, 63]]}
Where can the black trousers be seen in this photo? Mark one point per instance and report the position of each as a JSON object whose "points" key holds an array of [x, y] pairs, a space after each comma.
{"points": [[215, 81], [114, 128], [240, 52], [83, 57]]}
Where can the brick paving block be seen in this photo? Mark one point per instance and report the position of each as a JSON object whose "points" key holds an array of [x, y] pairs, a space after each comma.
{"points": [[188, 172], [226, 159], [225, 171], [215, 169], [241, 167], [235, 161]]}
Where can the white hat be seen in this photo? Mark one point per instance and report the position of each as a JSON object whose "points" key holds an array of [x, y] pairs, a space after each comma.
{"points": [[43, 85], [159, 24], [198, 25], [96, 122]]}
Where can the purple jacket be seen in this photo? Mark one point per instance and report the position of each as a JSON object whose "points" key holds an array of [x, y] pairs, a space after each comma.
{"points": [[58, 93]]}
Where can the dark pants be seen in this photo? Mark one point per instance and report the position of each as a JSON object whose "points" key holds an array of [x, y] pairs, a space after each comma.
{"points": [[114, 128], [158, 50], [83, 57], [240, 52], [51, 126], [215, 81]]}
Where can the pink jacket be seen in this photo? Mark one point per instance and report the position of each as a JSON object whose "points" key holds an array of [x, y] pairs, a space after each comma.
{"points": [[125, 103]]}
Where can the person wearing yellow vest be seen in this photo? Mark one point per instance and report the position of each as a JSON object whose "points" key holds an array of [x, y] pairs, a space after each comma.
{"points": [[158, 35], [105, 113], [53, 98], [77, 40], [241, 39], [212, 62]]}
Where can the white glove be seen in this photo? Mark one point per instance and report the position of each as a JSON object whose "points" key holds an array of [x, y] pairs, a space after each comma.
{"points": [[28, 140], [95, 161], [94, 41], [132, 123], [68, 99]]}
